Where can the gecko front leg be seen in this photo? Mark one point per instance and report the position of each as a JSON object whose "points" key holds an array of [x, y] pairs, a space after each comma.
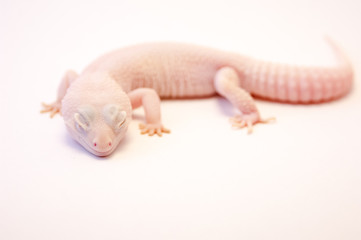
{"points": [[149, 99], [69, 77], [227, 84]]}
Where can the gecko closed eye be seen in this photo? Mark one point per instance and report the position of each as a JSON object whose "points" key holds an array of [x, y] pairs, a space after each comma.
{"points": [[114, 116], [83, 118]]}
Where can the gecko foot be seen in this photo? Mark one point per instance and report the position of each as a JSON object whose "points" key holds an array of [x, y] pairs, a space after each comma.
{"points": [[248, 120], [152, 129], [52, 108]]}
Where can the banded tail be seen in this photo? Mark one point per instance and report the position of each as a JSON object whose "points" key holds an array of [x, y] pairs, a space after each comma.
{"points": [[299, 84]]}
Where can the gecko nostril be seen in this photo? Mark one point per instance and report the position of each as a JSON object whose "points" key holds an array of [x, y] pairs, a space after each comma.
{"points": [[95, 144], [110, 143]]}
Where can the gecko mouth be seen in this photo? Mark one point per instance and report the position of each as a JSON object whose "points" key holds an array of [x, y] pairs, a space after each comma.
{"points": [[102, 154], [96, 152]]}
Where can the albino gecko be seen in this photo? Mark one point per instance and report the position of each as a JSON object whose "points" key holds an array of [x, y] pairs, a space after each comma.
{"points": [[97, 104]]}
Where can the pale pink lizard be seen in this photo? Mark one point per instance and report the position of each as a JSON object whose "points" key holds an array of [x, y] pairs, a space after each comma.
{"points": [[97, 105]]}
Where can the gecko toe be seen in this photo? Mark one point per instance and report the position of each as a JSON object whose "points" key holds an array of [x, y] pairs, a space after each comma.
{"points": [[153, 129], [52, 109], [268, 120], [249, 126], [165, 130], [151, 132]]}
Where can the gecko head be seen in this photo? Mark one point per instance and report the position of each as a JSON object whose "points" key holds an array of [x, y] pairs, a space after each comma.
{"points": [[97, 114]]}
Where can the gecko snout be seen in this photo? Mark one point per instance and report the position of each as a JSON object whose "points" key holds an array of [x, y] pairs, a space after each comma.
{"points": [[102, 143]]}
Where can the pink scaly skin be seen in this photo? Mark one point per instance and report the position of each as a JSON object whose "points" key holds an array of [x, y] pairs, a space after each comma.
{"points": [[97, 104]]}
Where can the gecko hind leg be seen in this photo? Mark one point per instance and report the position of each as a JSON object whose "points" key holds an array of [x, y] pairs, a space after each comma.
{"points": [[227, 84]]}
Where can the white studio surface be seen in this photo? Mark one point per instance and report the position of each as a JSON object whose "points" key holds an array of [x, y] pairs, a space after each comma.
{"points": [[299, 178]]}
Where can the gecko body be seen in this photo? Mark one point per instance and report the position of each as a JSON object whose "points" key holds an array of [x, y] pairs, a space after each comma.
{"points": [[97, 104]]}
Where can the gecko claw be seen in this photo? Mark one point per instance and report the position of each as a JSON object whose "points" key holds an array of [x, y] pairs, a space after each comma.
{"points": [[152, 129], [237, 124], [267, 120], [249, 127], [248, 120], [53, 109]]}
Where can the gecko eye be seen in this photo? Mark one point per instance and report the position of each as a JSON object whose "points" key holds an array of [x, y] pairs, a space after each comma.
{"points": [[114, 116], [83, 118]]}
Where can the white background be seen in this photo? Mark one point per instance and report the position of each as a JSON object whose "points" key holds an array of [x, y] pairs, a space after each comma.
{"points": [[299, 178]]}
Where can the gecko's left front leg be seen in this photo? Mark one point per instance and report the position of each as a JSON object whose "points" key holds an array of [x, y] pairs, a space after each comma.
{"points": [[149, 99], [227, 84], [69, 77]]}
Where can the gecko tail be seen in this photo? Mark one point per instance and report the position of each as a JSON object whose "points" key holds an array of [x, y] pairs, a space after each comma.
{"points": [[342, 57], [301, 84]]}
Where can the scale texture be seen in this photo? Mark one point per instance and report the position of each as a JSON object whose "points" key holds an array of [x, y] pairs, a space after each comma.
{"points": [[97, 104]]}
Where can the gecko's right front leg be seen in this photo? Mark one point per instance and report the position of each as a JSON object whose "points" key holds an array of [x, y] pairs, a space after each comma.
{"points": [[149, 99], [69, 77]]}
